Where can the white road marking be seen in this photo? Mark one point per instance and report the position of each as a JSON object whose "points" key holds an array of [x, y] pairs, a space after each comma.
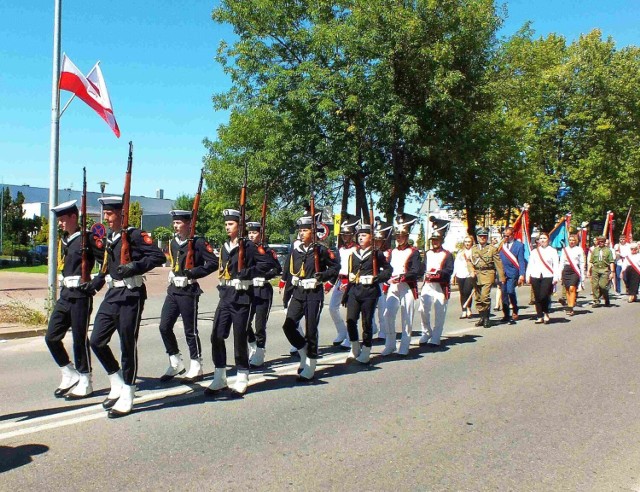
{"points": [[71, 417]]}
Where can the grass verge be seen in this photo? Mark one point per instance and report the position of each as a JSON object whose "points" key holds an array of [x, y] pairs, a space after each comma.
{"points": [[18, 312], [26, 269]]}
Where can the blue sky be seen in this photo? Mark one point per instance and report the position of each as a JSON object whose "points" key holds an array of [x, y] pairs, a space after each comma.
{"points": [[157, 58]]}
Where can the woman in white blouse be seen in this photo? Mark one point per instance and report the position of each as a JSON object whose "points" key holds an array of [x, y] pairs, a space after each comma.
{"points": [[543, 273], [631, 270], [572, 270], [463, 277]]}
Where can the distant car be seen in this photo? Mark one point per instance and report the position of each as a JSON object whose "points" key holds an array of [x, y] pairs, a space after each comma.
{"points": [[39, 253], [282, 250]]}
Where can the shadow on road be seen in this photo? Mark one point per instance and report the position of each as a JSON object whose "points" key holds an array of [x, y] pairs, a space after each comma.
{"points": [[33, 414], [11, 458]]}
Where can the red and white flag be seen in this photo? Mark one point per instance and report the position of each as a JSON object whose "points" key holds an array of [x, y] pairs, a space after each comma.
{"points": [[92, 90]]}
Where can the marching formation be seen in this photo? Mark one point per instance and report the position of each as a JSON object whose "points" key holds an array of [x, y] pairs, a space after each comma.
{"points": [[365, 275]]}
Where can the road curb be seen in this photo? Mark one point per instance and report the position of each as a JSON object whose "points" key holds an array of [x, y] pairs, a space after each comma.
{"points": [[23, 333]]}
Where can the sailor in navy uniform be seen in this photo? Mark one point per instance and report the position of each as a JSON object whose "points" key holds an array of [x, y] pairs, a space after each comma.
{"points": [[345, 248], [363, 292], [307, 296], [122, 306], [73, 308], [382, 236], [435, 291], [403, 286], [234, 308], [262, 299], [183, 295]]}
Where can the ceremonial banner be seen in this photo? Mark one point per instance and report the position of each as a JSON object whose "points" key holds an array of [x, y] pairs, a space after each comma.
{"points": [[91, 90], [627, 230], [559, 236], [521, 231]]}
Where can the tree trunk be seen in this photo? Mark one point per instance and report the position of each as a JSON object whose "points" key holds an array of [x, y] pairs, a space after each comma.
{"points": [[345, 196]]}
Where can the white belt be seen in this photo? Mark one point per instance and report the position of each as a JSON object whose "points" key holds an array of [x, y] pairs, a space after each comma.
{"points": [[295, 281], [129, 283], [259, 282], [71, 282], [179, 281], [366, 280], [308, 283], [236, 283]]}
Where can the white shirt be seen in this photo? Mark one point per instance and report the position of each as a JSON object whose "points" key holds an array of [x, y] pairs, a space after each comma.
{"points": [[460, 266], [399, 258], [536, 267], [621, 252], [577, 258], [345, 253]]}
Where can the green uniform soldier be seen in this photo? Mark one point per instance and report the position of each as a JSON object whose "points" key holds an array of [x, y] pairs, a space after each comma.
{"points": [[601, 270], [483, 265]]}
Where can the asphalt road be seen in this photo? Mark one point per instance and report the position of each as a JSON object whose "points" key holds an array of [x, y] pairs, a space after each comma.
{"points": [[524, 407]]}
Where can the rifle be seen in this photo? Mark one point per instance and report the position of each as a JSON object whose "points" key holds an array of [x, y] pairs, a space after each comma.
{"points": [[125, 251], [191, 250], [85, 275], [314, 231], [374, 253], [242, 222], [263, 218]]}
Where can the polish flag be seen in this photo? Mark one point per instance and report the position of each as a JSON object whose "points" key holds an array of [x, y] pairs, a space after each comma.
{"points": [[92, 90]]}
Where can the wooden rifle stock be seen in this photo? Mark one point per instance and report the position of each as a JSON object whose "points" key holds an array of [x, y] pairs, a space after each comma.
{"points": [[189, 261], [125, 251], [85, 274], [242, 222], [374, 250], [314, 233], [263, 219]]}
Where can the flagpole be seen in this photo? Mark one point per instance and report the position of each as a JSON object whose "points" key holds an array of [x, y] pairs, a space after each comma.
{"points": [[564, 218], [54, 156], [626, 221], [74, 94]]}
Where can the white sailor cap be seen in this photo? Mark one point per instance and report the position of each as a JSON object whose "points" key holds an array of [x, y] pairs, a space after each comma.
{"points": [[254, 226], [181, 214], [633, 245], [305, 222], [110, 202], [231, 214], [65, 208]]}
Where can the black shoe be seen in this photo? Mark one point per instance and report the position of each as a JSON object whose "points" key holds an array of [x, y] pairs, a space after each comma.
{"points": [[302, 379], [60, 392], [115, 414], [108, 403], [72, 397], [480, 322], [607, 303], [210, 392], [487, 323], [506, 319], [194, 379]]}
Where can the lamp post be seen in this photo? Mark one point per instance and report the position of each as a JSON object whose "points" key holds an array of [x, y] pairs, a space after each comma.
{"points": [[2, 220], [103, 185]]}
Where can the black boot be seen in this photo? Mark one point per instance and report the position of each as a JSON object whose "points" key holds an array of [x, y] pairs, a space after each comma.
{"points": [[480, 322], [486, 323]]}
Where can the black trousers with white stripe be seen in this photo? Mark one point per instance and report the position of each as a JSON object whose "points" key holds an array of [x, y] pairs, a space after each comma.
{"points": [[71, 313], [186, 306], [230, 314], [260, 310], [124, 316], [310, 309]]}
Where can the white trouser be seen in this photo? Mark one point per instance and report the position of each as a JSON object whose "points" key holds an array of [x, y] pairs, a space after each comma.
{"points": [[382, 305], [335, 310], [433, 295], [400, 297]]}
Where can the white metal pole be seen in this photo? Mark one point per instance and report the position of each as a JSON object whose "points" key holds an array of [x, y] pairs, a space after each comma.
{"points": [[54, 156]]}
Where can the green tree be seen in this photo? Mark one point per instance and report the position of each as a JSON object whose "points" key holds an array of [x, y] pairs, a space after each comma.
{"points": [[135, 214]]}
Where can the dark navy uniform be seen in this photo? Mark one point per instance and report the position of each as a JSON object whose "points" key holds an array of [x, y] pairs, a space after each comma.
{"points": [[262, 300], [73, 308], [236, 297], [184, 292], [305, 300], [123, 303], [363, 291]]}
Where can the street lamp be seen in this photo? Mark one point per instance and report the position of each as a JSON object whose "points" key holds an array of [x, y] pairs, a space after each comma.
{"points": [[103, 185]]}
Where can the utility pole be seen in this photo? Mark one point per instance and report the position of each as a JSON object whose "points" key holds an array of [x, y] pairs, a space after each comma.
{"points": [[2, 221]]}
